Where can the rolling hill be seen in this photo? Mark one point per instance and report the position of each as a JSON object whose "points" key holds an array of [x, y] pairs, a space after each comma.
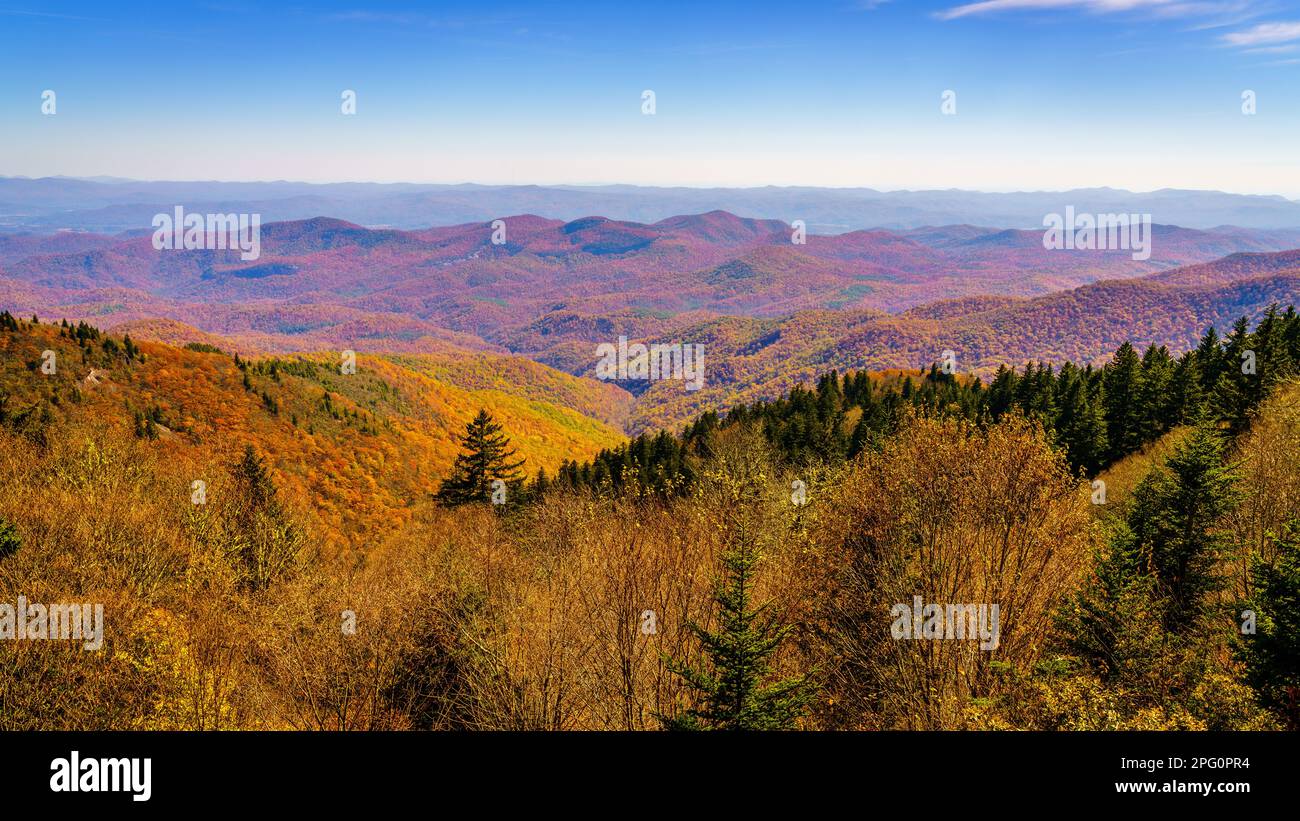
{"points": [[360, 451], [458, 301], [327, 283], [762, 359]]}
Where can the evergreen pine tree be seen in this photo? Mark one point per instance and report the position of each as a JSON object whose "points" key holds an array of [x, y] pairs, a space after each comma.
{"points": [[486, 457], [1291, 338], [265, 542], [1154, 412], [1122, 378], [1109, 621], [1186, 399], [1002, 392], [1080, 428], [1238, 385], [731, 692], [862, 436], [1175, 520], [1271, 353], [1272, 652], [1209, 359]]}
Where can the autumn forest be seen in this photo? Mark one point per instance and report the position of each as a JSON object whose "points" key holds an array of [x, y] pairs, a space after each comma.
{"points": [[282, 542]]}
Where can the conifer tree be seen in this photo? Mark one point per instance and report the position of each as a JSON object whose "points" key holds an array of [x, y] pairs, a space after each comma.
{"points": [[1155, 413], [1034, 393], [1122, 380], [1079, 425], [265, 541], [1186, 398], [731, 692], [1271, 351], [1291, 337], [487, 456], [1109, 621], [1238, 385], [862, 437], [541, 483], [1272, 652], [1175, 524], [1209, 359]]}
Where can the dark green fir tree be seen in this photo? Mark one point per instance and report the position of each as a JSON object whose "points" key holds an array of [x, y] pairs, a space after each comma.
{"points": [[487, 457]]}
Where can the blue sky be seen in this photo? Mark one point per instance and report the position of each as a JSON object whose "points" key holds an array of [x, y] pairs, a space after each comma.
{"points": [[1050, 94]]}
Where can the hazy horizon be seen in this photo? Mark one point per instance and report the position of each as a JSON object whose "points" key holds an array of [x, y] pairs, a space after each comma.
{"points": [[109, 179]]}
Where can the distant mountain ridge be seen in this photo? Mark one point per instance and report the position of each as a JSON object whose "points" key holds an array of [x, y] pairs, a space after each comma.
{"points": [[770, 311], [550, 289], [53, 203]]}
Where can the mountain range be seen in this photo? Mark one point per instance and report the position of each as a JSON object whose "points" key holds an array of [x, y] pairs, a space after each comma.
{"points": [[109, 205], [771, 308]]}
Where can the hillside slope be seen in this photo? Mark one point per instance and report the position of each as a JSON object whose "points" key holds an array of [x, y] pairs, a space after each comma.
{"points": [[359, 450], [324, 283], [748, 359]]}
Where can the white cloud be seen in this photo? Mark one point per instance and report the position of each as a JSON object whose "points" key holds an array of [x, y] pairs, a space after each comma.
{"points": [[1264, 34], [1162, 8], [994, 6]]}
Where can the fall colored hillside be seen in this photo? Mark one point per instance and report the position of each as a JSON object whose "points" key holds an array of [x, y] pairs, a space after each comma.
{"points": [[749, 359], [586, 604], [358, 451], [543, 287]]}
